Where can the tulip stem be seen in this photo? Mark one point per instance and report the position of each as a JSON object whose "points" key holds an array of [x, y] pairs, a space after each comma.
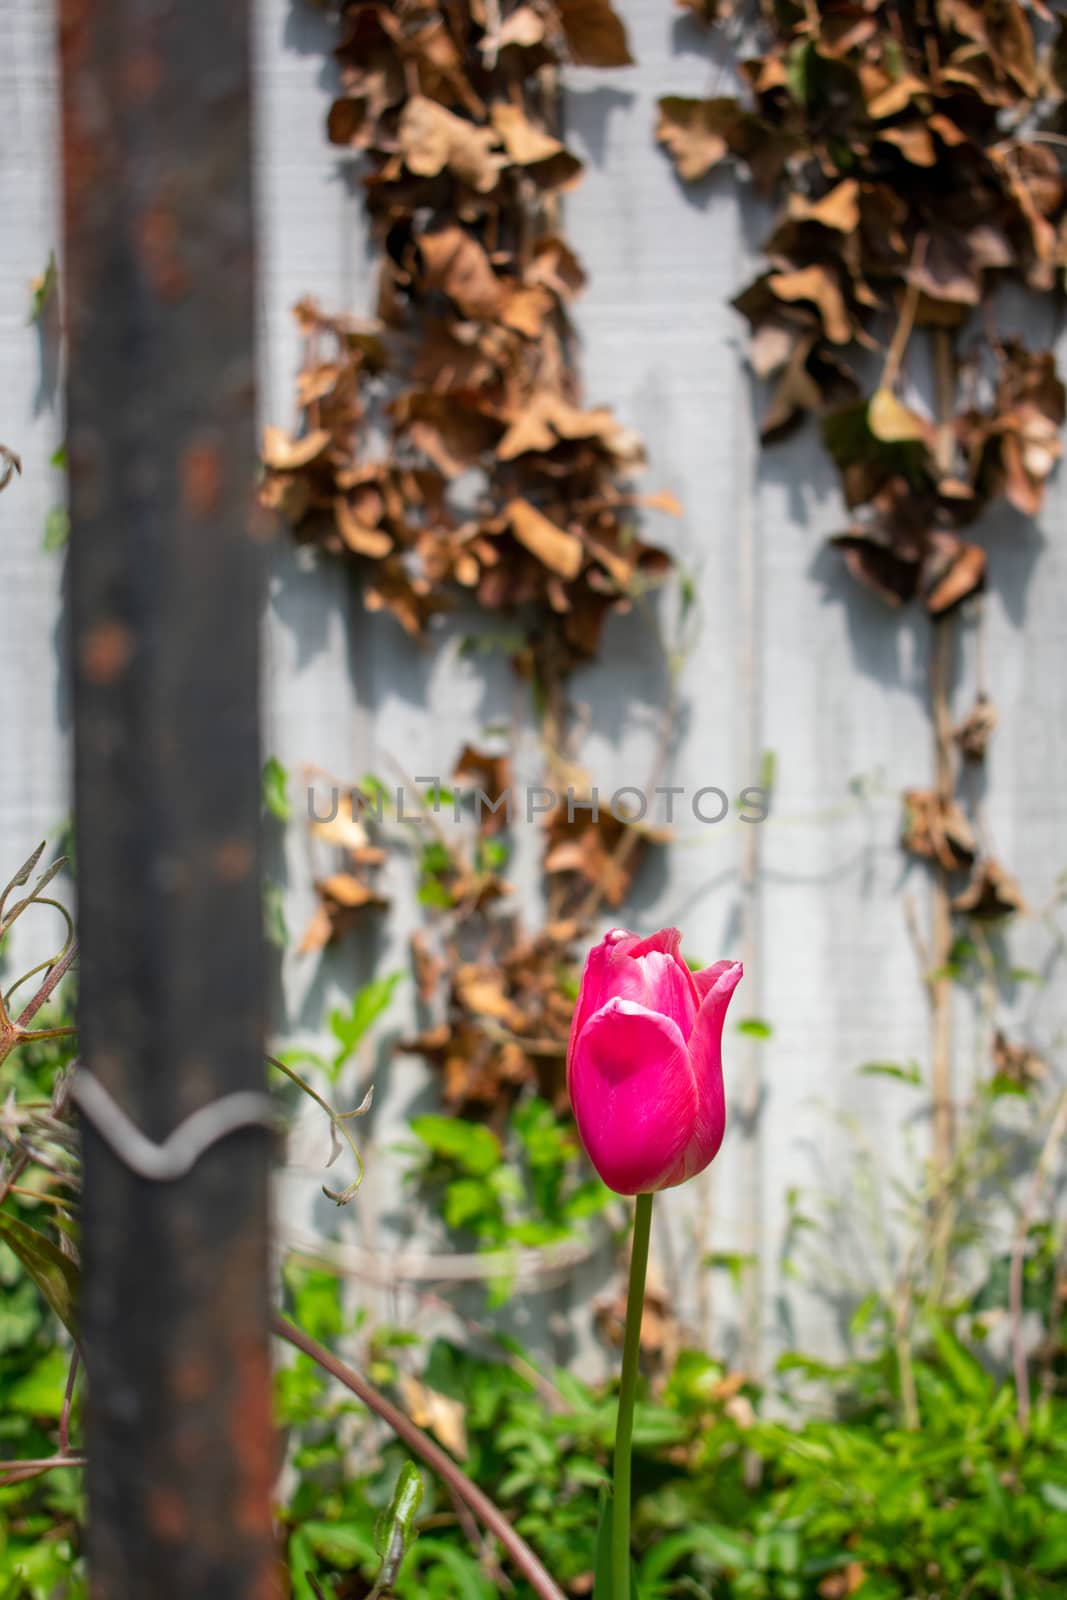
{"points": [[624, 1427]]}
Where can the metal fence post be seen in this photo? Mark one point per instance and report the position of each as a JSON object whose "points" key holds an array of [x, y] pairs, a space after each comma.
{"points": [[165, 615]]}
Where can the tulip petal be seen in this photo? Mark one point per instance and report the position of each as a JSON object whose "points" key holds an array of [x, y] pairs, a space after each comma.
{"points": [[634, 1096], [708, 977], [656, 981], [705, 1053], [589, 991], [668, 941]]}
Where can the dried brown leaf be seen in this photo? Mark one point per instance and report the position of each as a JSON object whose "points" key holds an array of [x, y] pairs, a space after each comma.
{"points": [[10, 463], [837, 209], [557, 549], [937, 829], [953, 570], [349, 892], [444, 1417], [897, 96], [491, 775], [1019, 1064], [914, 141], [455, 262], [345, 829], [991, 894], [818, 285], [875, 562], [433, 139], [524, 143], [595, 33], [977, 728], [895, 423], [360, 538], [696, 133], [283, 454]]}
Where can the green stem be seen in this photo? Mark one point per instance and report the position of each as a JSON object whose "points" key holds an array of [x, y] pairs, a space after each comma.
{"points": [[624, 1428]]}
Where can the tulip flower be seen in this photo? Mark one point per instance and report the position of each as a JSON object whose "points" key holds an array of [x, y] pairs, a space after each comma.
{"points": [[644, 1074], [644, 1064]]}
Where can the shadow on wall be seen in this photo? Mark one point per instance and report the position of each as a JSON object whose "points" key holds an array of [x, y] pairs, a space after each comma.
{"points": [[313, 32], [589, 114]]}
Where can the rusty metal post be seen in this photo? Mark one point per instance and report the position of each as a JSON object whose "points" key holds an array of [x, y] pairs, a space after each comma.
{"points": [[165, 604]]}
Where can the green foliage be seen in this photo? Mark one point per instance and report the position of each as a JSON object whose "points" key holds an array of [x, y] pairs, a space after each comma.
{"points": [[349, 1027], [56, 529], [755, 1028], [55, 1274], [275, 927], [276, 790], [910, 1074], [728, 1502], [39, 1518], [734, 1262], [529, 1190], [812, 1489], [42, 289], [435, 868], [396, 1531]]}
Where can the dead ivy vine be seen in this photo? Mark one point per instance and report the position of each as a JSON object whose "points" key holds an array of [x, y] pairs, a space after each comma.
{"points": [[916, 153], [494, 478], [443, 446]]}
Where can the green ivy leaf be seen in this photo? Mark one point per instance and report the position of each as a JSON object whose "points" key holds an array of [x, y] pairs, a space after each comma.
{"points": [[55, 1274], [369, 1004], [473, 1148], [734, 1262], [43, 287], [466, 1199], [797, 63], [56, 528], [890, 1069], [275, 926], [276, 790], [40, 1392]]}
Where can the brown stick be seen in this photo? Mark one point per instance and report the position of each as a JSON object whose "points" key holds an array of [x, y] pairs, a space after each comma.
{"points": [[15, 1033], [940, 685], [906, 320], [489, 1515], [1018, 1252], [12, 1472], [941, 910]]}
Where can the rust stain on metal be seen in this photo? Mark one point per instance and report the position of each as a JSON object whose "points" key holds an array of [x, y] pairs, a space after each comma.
{"points": [[200, 471], [252, 1431], [79, 148], [193, 1379], [106, 652], [142, 74], [157, 248], [233, 860], [166, 1512]]}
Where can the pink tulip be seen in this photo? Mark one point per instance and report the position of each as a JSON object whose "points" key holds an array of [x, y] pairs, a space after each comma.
{"points": [[644, 1063]]}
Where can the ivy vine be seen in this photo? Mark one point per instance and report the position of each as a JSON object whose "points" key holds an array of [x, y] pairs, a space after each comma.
{"points": [[916, 156]]}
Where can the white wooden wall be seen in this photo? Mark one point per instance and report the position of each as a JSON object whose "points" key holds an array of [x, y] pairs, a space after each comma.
{"points": [[791, 658]]}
